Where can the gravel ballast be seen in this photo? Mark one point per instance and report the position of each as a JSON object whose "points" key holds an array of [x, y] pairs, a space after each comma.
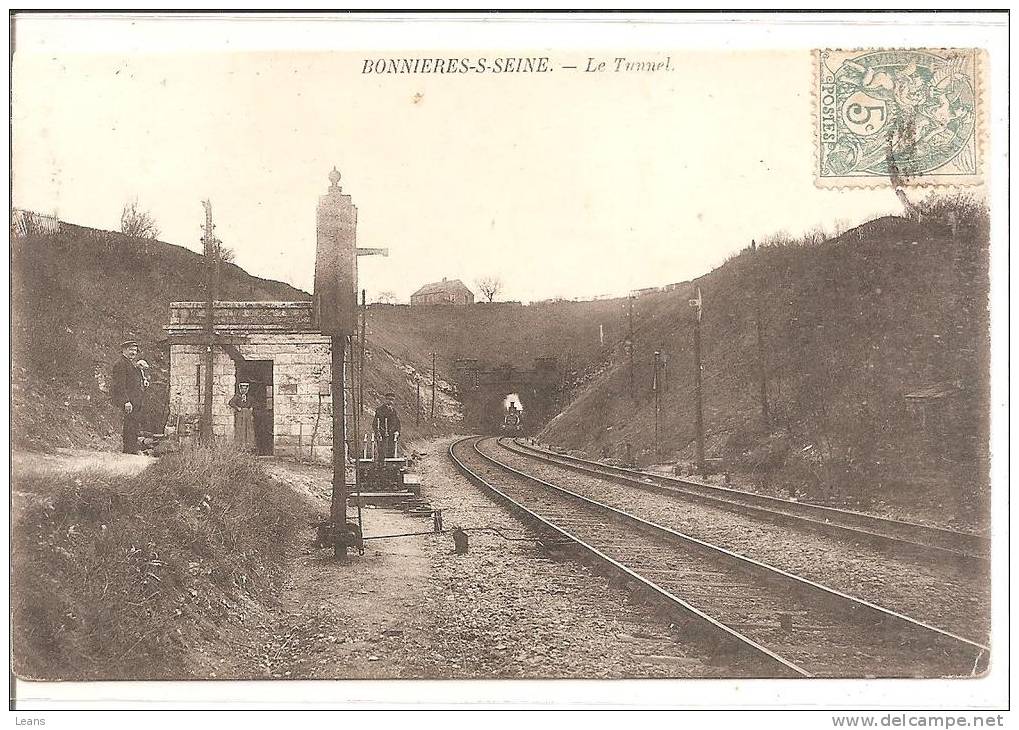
{"points": [[952, 598]]}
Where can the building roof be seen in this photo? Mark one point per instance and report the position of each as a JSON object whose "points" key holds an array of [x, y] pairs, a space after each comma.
{"points": [[446, 286]]}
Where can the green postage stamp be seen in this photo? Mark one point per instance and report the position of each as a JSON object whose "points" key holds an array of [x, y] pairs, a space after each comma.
{"points": [[898, 117]]}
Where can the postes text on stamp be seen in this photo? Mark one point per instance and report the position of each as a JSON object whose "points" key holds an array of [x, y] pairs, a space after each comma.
{"points": [[897, 117]]}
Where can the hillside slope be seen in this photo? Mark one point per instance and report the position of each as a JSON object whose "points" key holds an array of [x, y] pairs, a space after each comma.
{"points": [[78, 292], [850, 327], [500, 333]]}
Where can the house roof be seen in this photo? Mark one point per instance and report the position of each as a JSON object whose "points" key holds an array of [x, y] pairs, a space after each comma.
{"points": [[446, 286]]}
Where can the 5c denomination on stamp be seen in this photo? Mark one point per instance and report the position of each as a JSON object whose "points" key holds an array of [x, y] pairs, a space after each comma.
{"points": [[898, 116]]}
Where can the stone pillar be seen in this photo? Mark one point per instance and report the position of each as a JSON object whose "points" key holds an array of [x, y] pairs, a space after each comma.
{"points": [[336, 262], [336, 316]]}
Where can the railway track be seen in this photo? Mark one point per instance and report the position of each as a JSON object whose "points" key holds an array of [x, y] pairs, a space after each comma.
{"points": [[766, 621], [907, 538]]}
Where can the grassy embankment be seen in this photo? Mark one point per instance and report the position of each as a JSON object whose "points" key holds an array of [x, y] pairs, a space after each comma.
{"points": [[120, 577], [850, 326]]}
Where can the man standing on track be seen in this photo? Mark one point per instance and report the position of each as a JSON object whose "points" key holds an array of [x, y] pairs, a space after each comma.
{"points": [[386, 428], [128, 393]]}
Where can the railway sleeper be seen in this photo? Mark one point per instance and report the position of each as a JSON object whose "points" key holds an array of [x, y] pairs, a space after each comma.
{"points": [[973, 550], [895, 627]]}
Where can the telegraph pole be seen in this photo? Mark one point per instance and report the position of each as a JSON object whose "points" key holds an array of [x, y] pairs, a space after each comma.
{"points": [[360, 365], [418, 416], [657, 387], [698, 396], [211, 250], [433, 386], [630, 348], [761, 372]]}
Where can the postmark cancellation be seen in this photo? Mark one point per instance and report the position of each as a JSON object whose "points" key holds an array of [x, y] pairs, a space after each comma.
{"points": [[899, 117]]}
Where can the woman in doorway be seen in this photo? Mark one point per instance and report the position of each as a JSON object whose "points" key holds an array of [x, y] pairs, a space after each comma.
{"points": [[244, 422]]}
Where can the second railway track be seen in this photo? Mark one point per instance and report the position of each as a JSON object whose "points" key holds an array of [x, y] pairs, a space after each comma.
{"points": [[947, 593], [934, 543], [785, 624]]}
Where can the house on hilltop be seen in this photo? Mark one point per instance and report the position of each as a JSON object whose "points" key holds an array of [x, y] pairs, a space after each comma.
{"points": [[443, 292]]}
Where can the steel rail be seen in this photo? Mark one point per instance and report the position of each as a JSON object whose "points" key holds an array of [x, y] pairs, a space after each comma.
{"points": [[978, 653], [829, 520], [738, 642]]}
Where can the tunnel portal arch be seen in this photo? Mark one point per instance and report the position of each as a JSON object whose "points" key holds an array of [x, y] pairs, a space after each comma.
{"points": [[484, 390]]}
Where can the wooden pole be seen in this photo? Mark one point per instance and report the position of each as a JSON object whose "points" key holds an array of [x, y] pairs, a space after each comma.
{"points": [[762, 374], [338, 506], [433, 386], [633, 386], [209, 241], [658, 404], [698, 398], [361, 345], [355, 425], [418, 419]]}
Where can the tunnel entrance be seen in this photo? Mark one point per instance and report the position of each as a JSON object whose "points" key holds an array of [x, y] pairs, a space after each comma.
{"points": [[508, 399]]}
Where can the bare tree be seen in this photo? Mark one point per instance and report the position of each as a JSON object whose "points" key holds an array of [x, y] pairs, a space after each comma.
{"points": [[815, 236], [386, 297], [226, 254], [138, 223], [778, 238], [963, 207], [490, 286]]}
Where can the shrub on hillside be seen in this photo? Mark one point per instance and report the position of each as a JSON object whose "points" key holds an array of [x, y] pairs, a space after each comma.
{"points": [[115, 577], [966, 208], [749, 452]]}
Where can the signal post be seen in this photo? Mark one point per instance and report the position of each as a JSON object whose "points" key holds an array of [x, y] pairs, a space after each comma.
{"points": [[336, 311]]}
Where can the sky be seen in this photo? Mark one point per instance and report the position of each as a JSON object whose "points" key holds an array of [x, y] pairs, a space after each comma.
{"points": [[562, 184]]}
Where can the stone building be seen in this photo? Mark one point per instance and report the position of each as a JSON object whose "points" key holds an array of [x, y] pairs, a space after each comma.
{"points": [[283, 350], [443, 292], [276, 348]]}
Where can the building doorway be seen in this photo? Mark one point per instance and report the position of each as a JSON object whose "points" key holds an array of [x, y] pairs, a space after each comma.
{"points": [[258, 375]]}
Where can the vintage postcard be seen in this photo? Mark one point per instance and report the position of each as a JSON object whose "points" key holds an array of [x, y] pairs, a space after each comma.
{"points": [[659, 347]]}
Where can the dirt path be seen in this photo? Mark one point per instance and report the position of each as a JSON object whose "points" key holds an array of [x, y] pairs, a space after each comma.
{"points": [[25, 463], [411, 608], [27, 467]]}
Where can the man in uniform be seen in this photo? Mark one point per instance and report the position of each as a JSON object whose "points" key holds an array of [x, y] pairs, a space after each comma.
{"points": [[127, 393], [386, 428]]}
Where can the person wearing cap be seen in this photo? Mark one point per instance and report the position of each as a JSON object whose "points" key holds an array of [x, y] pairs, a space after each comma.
{"points": [[127, 393], [386, 428], [244, 420]]}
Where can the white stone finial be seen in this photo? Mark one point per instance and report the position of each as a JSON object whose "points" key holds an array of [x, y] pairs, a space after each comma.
{"points": [[334, 178]]}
